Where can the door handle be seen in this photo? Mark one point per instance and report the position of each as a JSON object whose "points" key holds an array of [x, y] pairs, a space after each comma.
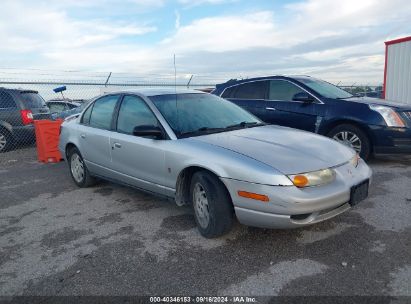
{"points": [[83, 135], [270, 109], [117, 145]]}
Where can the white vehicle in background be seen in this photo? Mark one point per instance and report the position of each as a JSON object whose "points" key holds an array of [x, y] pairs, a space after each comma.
{"points": [[57, 106]]}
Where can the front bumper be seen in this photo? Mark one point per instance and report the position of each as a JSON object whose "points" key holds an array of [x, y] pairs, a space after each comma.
{"points": [[292, 207], [389, 140]]}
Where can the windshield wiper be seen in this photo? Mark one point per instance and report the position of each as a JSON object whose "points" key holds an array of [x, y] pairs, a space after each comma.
{"points": [[203, 130], [245, 124], [208, 130], [347, 97]]}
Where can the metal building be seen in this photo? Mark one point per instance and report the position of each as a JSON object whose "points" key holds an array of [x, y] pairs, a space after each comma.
{"points": [[397, 72]]}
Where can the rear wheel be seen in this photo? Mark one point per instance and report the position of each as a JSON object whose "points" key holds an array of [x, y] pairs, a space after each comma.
{"points": [[6, 141], [78, 169], [353, 137], [213, 210]]}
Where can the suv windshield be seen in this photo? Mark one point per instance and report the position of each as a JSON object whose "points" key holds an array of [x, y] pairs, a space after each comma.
{"points": [[192, 114], [325, 89], [32, 100]]}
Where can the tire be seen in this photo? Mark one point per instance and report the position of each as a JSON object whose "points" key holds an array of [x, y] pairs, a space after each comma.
{"points": [[6, 141], [217, 205], [347, 131], [78, 169]]}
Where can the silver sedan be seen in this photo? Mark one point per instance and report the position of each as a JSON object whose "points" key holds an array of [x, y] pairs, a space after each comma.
{"points": [[201, 150]]}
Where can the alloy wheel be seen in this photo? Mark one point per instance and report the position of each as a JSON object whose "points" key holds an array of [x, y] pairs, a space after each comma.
{"points": [[3, 141], [201, 207], [349, 139], [77, 168]]}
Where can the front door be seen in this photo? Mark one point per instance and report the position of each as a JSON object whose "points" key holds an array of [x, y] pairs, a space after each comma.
{"points": [[138, 161]]}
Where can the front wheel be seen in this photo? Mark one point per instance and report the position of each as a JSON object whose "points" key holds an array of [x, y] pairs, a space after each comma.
{"points": [[213, 210], [78, 169], [353, 137]]}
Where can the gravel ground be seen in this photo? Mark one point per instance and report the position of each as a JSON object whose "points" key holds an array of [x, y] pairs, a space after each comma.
{"points": [[57, 239]]}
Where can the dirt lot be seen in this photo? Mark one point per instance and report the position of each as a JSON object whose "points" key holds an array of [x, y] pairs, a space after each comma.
{"points": [[56, 239]]}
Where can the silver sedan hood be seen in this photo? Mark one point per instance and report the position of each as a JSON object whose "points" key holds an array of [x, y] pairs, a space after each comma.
{"points": [[288, 150]]}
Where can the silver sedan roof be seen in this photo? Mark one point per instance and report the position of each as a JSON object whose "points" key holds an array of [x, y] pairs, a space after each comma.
{"points": [[159, 91]]}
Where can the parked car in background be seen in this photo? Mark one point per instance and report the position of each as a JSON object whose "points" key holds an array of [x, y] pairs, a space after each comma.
{"points": [[73, 111], [372, 94], [199, 149], [368, 125], [18, 109], [57, 106]]}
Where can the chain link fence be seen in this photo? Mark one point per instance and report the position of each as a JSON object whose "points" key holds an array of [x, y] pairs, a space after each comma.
{"points": [[364, 90], [22, 102]]}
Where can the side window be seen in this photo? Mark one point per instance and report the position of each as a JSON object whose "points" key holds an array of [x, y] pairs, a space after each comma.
{"points": [[6, 100], [229, 92], [282, 90], [102, 113], [251, 90], [134, 112], [86, 116]]}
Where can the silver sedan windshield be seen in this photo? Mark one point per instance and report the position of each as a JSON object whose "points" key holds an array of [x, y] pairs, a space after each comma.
{"points": [[196, 114]]}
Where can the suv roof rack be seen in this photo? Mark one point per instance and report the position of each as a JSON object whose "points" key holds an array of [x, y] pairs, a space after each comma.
{"points": [[28, 91]]}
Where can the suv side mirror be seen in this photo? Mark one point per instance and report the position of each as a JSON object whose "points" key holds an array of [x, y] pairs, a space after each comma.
{"points": [[303, 97], [154, 132]]}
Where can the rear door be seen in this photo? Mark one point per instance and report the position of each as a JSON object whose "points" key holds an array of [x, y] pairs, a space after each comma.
{"points": [[31, 100], [95, 129], [282, 110], [138, 161], [250, 96]]}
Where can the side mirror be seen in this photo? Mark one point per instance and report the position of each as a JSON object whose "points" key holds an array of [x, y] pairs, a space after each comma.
{"points": [[303, 97], [148, 131]]}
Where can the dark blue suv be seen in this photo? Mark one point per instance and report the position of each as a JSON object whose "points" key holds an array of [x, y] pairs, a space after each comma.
{"points": [[368, 125]]}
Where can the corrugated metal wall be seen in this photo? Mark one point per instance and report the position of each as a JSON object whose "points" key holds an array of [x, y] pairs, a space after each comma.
{"points": [[398, 81]]}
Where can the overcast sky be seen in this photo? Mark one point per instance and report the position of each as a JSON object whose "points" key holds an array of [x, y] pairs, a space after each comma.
{"points": [[335, 40]]}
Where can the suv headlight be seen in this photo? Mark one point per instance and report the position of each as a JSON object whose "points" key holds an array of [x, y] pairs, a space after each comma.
{"points": [[392, 119], [315, 178]]}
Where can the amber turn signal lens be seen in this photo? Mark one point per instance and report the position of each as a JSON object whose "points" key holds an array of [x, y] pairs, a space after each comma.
{"points": [[398, 119], [300, 181], [254, 196]]}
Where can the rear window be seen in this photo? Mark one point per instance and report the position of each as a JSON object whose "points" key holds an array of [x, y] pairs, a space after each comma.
{"points": [[6, 100], [229, 92], [251, 90], [102, 113], [32, 100]]}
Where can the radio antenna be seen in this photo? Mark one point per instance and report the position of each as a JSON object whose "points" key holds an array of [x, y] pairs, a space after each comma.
{"points": [[175, 91], [175, 73]]}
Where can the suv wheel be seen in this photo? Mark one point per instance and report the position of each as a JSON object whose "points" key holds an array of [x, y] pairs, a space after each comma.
{"points": [[78, 169], [5, 140], [213, 210], [352, 137]]}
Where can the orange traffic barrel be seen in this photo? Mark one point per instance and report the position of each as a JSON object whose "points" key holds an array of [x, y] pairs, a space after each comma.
{"points": [[47, 140]]}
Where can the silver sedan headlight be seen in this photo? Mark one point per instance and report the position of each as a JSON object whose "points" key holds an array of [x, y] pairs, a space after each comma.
{"points": [[311, 179], [391, 118]]}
